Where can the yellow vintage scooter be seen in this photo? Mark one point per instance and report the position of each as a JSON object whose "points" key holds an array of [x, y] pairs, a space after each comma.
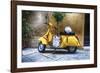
{"points": [[67, 41]]}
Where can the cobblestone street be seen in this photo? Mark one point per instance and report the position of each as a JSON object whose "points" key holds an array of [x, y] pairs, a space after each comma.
{"points": [[32, 55]]}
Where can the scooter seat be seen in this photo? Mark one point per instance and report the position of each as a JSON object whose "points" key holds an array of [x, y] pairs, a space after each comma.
{"points": [[70, 33]]}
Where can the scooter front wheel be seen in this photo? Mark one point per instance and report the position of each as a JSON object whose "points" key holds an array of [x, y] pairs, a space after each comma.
{"points": [[41, 47]]}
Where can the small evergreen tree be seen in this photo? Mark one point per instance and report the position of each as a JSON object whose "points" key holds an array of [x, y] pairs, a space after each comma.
{"points": [[59, 16]]}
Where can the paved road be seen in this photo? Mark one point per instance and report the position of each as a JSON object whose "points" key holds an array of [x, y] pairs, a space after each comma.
{"points": [[32, 55]]}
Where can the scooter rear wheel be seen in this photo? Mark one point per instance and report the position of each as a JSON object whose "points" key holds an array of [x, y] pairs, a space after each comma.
{"points": [[72, 49]]}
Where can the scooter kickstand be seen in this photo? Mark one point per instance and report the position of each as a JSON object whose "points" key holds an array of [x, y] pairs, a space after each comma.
{"points": [[54, 51]]}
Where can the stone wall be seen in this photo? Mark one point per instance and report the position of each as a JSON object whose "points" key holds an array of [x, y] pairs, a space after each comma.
{"points": [[38, 22]]}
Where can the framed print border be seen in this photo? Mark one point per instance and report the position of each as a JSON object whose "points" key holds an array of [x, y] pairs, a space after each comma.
{"points": [[14, 35]]}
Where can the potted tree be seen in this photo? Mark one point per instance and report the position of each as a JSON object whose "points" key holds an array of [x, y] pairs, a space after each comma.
{"points": [[58, 17]]}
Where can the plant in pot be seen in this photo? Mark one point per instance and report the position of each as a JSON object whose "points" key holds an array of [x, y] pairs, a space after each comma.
{"points": [[59, 16]]}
